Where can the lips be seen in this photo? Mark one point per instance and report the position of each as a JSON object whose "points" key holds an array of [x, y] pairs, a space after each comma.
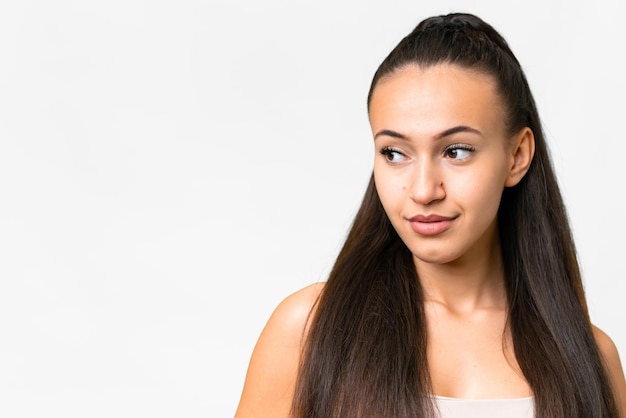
{"points": [[432, 224]]}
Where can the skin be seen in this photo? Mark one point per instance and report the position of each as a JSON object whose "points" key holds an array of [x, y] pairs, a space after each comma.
{"points": [[421, 168], [425, 164]]}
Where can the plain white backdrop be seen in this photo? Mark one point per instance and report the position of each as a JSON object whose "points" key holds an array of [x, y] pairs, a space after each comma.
{"points": [[171, 170]]}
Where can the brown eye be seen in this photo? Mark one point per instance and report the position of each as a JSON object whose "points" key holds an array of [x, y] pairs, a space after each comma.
{"points": [[458, 152], [392, 156]]}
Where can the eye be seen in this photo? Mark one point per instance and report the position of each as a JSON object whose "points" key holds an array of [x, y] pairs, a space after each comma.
{"points": [[458, 152], [392, 156]]}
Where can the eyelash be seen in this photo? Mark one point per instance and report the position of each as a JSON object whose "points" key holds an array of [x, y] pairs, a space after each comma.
{"points": [[387, 152], [455, 147]]}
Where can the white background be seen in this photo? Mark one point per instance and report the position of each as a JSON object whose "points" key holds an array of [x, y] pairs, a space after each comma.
{"points": [[171, 170]]}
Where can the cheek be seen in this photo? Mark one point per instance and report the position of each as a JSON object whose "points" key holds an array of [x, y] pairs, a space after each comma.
{"points": [[479, 191], [391, 191]]}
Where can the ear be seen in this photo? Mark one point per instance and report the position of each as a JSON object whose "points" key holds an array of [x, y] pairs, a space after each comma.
{"points": [[521, 155]]}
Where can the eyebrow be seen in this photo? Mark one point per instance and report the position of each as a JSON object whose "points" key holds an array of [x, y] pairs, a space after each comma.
{"points": [[447, 132]]}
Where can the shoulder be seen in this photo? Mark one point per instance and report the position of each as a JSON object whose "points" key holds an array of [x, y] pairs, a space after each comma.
{"points": [[293, 312], [271, 377], [613, 366], [607, 349]]}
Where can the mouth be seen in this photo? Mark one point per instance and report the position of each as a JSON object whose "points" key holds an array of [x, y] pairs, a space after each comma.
{"points": [[431, 224]]}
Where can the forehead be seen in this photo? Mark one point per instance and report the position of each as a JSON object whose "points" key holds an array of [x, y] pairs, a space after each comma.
{"points": [[419, 100]]}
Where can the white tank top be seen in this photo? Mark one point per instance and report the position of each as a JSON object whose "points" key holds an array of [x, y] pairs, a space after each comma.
{"points": [[485, 408]]}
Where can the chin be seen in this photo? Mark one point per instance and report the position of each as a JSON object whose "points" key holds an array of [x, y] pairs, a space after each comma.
{"points": [[435, 256]]}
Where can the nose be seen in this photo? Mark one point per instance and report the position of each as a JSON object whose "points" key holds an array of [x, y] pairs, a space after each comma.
{"points": [[427, 185]]}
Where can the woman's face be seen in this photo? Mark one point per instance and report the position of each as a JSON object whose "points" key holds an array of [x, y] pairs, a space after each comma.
{"points": [[442, 159]]}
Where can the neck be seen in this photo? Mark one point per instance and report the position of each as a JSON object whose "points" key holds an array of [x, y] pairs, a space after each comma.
{"points": [[473, 282]]}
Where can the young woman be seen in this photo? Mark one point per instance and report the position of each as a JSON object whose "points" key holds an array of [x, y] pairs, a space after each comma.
{"points": [[457, 292]]}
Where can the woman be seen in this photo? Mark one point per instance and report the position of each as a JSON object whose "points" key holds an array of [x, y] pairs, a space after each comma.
{"points": [[457, 292]]}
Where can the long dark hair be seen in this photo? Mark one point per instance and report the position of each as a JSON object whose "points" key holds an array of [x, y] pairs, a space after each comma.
{"points": [[365, 353]]}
